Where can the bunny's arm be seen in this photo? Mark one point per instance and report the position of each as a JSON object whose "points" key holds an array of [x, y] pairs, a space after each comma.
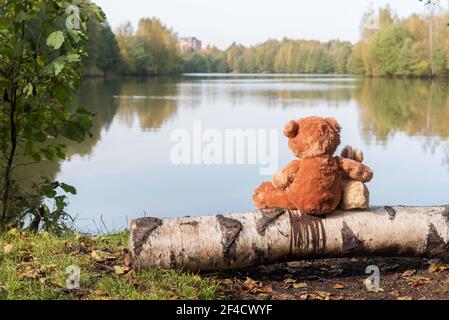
{"points": [[355, 170]]}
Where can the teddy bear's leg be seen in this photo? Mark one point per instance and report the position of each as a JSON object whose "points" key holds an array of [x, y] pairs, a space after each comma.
{"points": [[266, 196]]}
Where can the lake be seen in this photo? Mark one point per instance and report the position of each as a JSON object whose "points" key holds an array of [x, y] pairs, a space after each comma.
{"points": [[125, 170]]}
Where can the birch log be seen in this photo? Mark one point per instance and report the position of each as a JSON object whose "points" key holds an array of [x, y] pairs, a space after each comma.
{"points": [[248, 239]]}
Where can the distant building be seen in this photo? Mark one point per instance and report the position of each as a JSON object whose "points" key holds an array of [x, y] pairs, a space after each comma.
{"points": [[190, 44]]}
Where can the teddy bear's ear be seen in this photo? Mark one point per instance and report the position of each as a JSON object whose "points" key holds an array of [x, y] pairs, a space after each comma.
{"points": [[334, 124], [291, 129]]}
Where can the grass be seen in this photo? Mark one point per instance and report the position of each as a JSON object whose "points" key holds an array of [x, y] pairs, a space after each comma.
{"points": [[33, 266]]}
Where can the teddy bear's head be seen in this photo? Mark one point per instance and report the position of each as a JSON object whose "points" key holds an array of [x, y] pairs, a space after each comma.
{"points": [[313, 136]]}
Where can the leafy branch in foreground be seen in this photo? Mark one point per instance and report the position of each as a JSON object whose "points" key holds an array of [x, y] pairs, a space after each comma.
{"points": [[40, 67]]}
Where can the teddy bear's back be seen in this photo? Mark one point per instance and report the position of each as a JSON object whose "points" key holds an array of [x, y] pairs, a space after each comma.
{"points": [[316, 187]]}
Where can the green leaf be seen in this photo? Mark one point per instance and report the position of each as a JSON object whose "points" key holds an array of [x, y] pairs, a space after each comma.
{"points": [[28, 90], [75, 35], [71, 58], [49, 153], [60, 202], [22, 16], [4, 83], [40, 136], [85, 121], [82, 110], [67, 188], [56, 66], [36, 157], [55, 40], [74, 131], [60, 151], [48, 191]]}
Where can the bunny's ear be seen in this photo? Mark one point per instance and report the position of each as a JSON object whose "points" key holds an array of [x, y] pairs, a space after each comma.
{"points": [[334, 124], [291, 129]]}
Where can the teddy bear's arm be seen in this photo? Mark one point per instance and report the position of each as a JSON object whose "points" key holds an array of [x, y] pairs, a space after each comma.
{"points": [[355, 170], [282, 179]]}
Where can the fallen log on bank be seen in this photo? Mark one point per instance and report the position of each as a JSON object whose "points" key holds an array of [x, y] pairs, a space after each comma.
{"points": [[249, 239]]}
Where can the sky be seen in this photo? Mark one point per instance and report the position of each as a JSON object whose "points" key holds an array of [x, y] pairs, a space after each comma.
{"points": [[249, 22]]}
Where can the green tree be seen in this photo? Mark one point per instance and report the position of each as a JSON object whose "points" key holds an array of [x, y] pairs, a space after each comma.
{"points": [[195, 62], [103, 55], [109, 60], [151, 50], [40, 67], [389, 51]]}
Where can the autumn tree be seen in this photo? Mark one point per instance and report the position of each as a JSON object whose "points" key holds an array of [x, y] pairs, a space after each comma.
{"points": [[150, 50]]}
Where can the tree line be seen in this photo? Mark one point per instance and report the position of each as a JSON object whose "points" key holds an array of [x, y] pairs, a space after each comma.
{"points": [[273, 56], [151, 49], [417, 46]]}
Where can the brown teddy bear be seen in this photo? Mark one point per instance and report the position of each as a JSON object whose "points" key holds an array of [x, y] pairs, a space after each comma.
{"points": [[312, 184]]}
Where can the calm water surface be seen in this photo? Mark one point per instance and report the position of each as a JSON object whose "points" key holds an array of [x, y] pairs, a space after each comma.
{"points": [[125, 171]]}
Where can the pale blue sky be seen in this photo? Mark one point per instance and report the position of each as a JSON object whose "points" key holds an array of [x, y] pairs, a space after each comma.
{"points": [[220, 22]]}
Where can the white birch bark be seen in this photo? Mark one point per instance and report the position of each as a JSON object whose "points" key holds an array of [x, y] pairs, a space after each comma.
{"points": [[249, 239]]}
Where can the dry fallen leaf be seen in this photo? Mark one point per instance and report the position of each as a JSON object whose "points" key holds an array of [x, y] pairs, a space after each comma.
{"points": [[409, 273], [7, 248], [319, 295], [437, 267], [394, 293], [127, 262], [289, 281], [100, 292], [227, 282], [304, 296], [254, 287], [48, 267], [26, 258], [338, 286], [31, 274], [420, 282], [102, 256], [300, 285], [405, 298], [119, 270]]}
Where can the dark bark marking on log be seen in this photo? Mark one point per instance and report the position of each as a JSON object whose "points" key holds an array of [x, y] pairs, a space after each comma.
{"points": [[191, 223], [230, 229], [435, 243], [172, 260], [391, 212], [351, 243], [307, 230], [142, 230], [268, 218], [445, 213], [260, 255]]}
